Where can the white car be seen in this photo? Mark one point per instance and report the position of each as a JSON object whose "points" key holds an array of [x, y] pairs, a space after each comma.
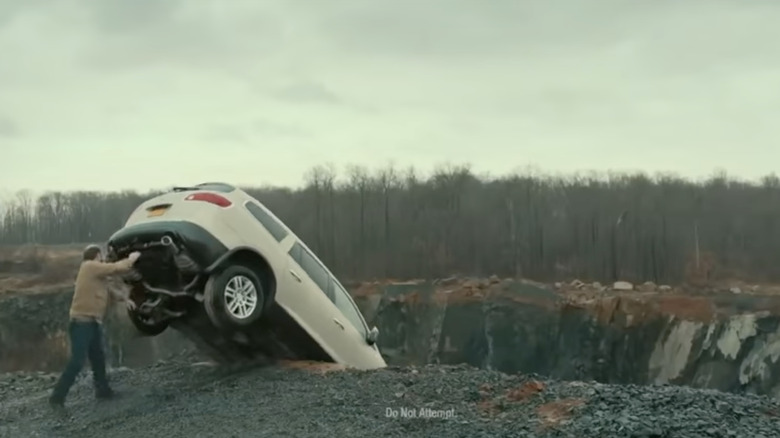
{"points": [[218, 266]]}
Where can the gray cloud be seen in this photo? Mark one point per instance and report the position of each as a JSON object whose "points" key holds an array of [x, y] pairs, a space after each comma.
{"points": [[136, 34], [307, 92], [415, 28], [9, 128], [123, 17], [268, 128], [253, 132], [659, 31], [467, 27], [226, 134], [10, 10]]}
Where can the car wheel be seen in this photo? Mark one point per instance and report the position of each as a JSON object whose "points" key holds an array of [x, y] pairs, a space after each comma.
{"points": [[144, 326], [234, 296]]}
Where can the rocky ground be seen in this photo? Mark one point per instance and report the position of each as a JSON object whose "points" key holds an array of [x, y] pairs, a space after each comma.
{"points": [[182, 399]]}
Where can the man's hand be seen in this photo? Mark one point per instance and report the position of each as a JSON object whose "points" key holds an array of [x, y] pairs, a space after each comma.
{"points": [[133, 256], [130, 304]]}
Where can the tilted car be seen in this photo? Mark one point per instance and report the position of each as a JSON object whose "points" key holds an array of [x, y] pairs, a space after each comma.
{"points": [[217, 265]]}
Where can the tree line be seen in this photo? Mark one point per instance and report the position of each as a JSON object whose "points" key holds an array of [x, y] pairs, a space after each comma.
{"points": [[399, 223]]}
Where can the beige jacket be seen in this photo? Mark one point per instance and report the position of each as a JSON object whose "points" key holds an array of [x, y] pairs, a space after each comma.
{"points": [[91, 298]]}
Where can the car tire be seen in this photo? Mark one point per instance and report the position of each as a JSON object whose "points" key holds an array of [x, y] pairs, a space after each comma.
{"points": [[234, 297], [144, 327]]}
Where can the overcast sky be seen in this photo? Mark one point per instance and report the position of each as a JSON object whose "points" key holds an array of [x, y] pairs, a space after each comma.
{"points": [[111, 94]]}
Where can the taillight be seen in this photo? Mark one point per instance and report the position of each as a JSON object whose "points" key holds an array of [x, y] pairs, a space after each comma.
{"points": [[212, 198]]}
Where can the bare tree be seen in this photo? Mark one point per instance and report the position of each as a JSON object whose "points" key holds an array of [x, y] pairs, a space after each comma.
{"points": [[359, 183], [402, 224]]}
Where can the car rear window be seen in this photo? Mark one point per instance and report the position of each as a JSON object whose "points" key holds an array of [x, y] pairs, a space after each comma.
{"points": [[212, 187], [217, 187], [273, 226]]}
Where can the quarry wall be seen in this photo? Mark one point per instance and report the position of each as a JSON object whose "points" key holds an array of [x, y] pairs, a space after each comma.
{"points": [[721, 340]]}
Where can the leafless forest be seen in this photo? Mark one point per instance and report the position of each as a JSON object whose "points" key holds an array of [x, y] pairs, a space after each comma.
{"points": [[395, 223]]}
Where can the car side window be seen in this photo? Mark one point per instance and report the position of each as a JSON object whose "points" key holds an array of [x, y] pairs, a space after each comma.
{"points": [[347, 307], [267, 221], [312, 267], [295, 253]]}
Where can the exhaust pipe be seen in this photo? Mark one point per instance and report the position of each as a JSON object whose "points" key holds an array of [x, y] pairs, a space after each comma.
{"points": [[173, 294], [180, 257]]}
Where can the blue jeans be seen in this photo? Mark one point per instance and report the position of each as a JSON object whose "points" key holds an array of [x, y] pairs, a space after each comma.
{"points": [[86, 342]]}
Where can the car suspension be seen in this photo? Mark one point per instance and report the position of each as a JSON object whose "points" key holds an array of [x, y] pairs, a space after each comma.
{"points": [[156, 307]]}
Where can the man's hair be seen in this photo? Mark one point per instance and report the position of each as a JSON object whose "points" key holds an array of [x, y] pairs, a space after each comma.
{"points": [[91, 252]]}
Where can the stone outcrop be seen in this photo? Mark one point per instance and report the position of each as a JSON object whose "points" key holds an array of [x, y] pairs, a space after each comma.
{"points": [[718, 340]]}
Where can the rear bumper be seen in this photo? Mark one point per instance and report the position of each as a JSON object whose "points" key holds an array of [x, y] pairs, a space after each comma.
{"points": [[200, 245]]}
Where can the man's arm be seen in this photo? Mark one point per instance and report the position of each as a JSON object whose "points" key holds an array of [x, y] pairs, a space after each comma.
{"points": [[102, 269]]}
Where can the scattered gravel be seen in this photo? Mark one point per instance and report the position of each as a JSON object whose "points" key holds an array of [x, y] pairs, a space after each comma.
{"points": [[179, 399]]}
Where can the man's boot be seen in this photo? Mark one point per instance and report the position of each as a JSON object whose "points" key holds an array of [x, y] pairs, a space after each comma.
{"points": [[57, 404], [104, 392]]}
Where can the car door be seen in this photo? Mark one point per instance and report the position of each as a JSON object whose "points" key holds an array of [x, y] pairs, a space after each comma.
{"points": [[309, 295], [353, 328]]}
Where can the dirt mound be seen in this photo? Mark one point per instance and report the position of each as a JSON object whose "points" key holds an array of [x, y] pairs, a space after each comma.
{"points": [[32, 267]]}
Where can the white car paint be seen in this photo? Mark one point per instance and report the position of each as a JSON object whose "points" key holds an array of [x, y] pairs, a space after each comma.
{"points": [[296, 292]]}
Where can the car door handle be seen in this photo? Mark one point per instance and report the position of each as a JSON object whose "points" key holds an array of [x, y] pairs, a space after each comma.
{"points": [[295, 275], [338, 323]]}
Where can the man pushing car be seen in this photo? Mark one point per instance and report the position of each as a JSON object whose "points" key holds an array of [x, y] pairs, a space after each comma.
{"points": [[89, 306]]}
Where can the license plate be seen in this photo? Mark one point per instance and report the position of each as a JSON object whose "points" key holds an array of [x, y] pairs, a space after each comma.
{"points": [[157, 212]]}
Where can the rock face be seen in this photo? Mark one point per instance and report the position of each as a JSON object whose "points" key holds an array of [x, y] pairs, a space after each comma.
{"points": [[721, 341], [724, 342]]}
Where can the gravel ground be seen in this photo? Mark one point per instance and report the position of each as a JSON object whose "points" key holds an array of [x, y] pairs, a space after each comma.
{"points": [[180, 399]]}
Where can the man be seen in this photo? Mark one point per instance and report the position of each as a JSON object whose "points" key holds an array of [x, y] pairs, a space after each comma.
{"points": [[88, 308]]}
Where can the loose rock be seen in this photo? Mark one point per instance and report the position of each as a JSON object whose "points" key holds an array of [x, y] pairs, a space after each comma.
{"points": [[647, 286], [176, 399]]}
